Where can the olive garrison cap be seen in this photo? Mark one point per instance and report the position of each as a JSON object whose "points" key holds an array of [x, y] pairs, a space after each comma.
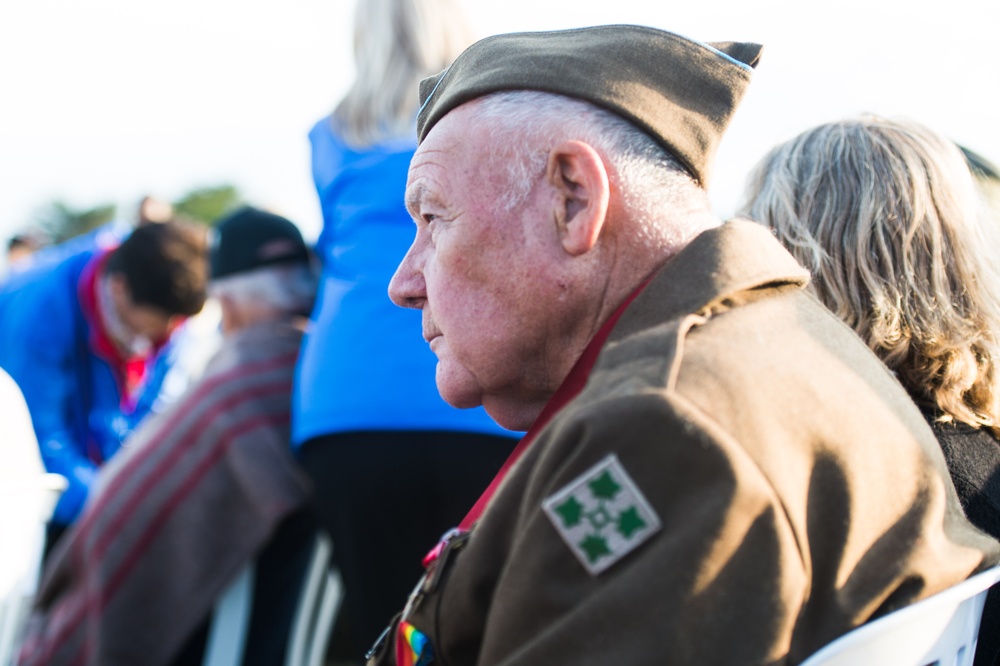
{"points": [[679, 91]]}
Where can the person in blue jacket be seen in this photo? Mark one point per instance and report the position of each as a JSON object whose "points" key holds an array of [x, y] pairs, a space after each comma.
{"points": [[81, 337], [393, 465]]}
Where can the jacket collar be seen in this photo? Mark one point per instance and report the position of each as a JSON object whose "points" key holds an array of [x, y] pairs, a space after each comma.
{"points": [[718, 265]]}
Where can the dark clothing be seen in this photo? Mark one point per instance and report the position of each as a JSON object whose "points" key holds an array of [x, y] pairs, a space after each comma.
{"points": [[740, 481], [973, 457], [199, 492], [386, 498]]}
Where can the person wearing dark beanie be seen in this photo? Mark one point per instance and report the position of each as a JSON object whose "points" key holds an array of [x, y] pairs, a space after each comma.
{"points": [[207, 494]]}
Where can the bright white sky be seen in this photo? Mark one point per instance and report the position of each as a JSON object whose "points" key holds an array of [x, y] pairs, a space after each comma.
{"points": [[107, 100]]}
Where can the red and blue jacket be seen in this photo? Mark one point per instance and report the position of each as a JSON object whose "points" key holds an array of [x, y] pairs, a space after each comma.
{"points": [[85, 399]]}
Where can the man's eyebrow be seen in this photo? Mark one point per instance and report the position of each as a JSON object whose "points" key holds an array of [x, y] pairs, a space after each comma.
{"points": [[419, 194], [413, 196]]}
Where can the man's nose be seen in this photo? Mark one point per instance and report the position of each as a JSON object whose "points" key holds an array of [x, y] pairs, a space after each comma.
{"points": [[407, 288]]}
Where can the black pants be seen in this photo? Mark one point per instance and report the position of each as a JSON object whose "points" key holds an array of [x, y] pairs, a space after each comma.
{"points": [[386, 498]]}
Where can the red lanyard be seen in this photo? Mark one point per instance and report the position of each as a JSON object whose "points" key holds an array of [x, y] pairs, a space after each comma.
{"points": [[569, 389]]}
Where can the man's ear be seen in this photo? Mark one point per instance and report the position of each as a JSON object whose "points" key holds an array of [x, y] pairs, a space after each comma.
{"points": [[580, 178], [230, 314]]}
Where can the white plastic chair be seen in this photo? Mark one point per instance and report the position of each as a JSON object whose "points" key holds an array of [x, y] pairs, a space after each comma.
{"points": [[230, 622], [940, 631], [25, 508], [322, 593], [319, 601]]}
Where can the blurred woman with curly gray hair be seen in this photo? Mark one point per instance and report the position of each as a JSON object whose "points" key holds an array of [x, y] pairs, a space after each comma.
{"points": [[886, 216]]}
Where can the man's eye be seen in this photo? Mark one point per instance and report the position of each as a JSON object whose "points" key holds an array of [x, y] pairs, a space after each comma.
{"points": [[429, 217]]}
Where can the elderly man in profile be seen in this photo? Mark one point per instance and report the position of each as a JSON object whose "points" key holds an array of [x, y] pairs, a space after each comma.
{"points": [[202, 490], [716, 471]]}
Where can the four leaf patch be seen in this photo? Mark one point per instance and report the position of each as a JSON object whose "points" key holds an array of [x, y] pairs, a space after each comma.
{"points": [[601, 515]]}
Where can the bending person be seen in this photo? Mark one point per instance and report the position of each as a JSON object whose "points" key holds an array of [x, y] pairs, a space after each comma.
{"points": [[84, 336], [886, 217]]}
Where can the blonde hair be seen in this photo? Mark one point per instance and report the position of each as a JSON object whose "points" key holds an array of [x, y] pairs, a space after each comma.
{"points": [[396, 44], [886, 217]]}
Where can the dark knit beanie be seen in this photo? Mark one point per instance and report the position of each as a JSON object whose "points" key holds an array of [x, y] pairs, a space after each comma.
{"points": [[252, 238]]}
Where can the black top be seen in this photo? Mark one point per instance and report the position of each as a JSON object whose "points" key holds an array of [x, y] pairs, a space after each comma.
{"points": [[973, 457]]}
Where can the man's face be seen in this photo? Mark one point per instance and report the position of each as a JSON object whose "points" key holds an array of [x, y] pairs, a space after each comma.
{"points": [[484, 278], [138, 326]]}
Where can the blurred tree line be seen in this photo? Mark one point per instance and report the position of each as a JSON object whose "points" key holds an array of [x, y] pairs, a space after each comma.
{"points": [[204, 205]]}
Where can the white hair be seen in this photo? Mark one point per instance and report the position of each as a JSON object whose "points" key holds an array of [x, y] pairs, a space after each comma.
{"points": [[289, 288], [524, 125]]}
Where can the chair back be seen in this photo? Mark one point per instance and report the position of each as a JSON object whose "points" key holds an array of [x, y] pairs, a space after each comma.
{"points": [[319, 603], [319, 600], [938, 631], [25, 508]]}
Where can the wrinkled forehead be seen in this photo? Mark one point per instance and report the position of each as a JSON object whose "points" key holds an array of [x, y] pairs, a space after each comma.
{"points": [[456, 130], [453, 148]]}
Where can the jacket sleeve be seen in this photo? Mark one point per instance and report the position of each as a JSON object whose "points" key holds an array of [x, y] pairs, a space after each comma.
{"points": [[720, 580], [46, 372]]}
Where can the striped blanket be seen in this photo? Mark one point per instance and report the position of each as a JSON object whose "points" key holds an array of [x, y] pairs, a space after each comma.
{"points": [[198, 491]]}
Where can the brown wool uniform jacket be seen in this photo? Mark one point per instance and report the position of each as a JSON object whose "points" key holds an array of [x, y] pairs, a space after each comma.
{"points": [[771, 488]]}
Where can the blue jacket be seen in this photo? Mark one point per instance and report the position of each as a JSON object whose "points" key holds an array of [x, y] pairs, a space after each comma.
{"points": [[72, 393], [364, 364]]}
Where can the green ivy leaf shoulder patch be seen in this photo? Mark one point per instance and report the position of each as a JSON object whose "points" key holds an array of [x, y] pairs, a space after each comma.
{"points": [[601, 515]]}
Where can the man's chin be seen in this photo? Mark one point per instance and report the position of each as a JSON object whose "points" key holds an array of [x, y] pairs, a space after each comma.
{"points": [[459, 400], [458, 393], [464, 393]]}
